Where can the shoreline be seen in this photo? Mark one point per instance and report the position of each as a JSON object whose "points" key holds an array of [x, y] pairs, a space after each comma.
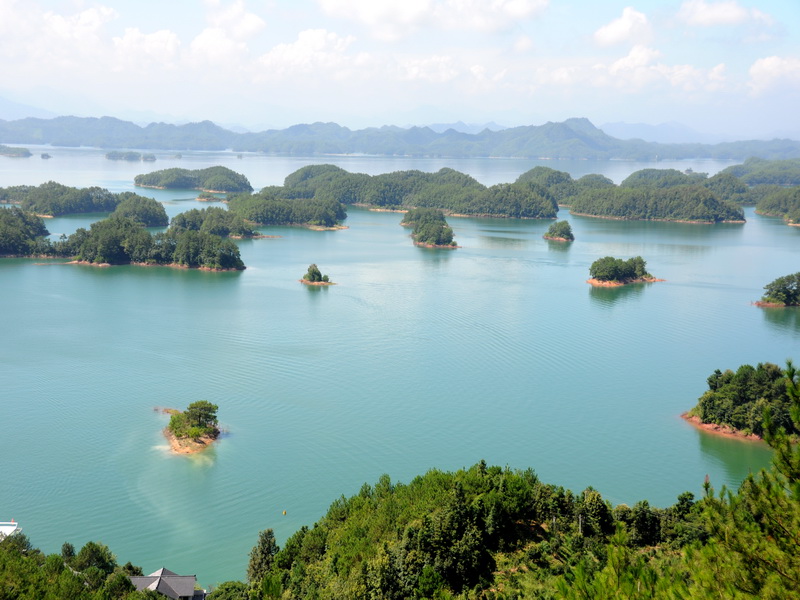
{"points": [[443, 246], [317, 283], [721, 430], [140, 264], [550, 238], [185, 446], [615, 283], [687, 222], [763, 304]]}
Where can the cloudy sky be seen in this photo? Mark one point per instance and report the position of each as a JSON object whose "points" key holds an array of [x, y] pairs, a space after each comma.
{"points": [[714, 65]]}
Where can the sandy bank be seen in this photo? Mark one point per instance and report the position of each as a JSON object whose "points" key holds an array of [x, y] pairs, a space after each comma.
{"points": [[723, 430], [599, 283]]}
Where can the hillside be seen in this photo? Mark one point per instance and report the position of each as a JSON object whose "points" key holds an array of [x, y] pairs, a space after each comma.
{"points": [[572, 139]]}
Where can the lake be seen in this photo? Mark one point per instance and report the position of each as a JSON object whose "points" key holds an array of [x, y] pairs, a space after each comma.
{"points": [[417, 359]]}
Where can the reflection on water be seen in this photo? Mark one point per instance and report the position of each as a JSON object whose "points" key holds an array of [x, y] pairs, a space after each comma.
{"points": [[496, 241], [784, 320], [609, 296], [736, 457], [554, 246]]}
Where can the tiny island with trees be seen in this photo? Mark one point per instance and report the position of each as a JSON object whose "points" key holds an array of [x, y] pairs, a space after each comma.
{"points": [[211, 179], [560, 231], [315, 277], [194, 429], [430, 229], [609, 271]]}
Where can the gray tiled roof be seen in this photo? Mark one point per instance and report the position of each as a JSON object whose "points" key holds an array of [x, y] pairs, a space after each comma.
{"points": [[167, 583]]}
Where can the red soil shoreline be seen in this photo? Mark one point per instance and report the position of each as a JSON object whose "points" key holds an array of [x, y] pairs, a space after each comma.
{"points": [[610, 218], [599, 283], [556, 239], [723, 430], [318, 283]]}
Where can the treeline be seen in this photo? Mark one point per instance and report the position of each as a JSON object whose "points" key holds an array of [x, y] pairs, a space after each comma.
{"points": [[214, 220], [118, 240], [609, 268], [490, 532], [14, 151], [570, 139], [430, 227], [738, 399], [92, 573], [211, 179], [268, 208], [55, 200], [447, 189]]}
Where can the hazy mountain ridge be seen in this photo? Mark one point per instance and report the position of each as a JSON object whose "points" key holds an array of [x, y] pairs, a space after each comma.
{"points": [[575, 138]]}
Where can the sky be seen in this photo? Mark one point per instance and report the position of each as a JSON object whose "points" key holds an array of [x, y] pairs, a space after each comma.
{"points": [[722, 66]]}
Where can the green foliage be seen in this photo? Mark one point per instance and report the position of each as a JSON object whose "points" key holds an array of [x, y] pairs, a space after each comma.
{"points": [[783, 290], [230, 590], [314, 275], [265, 208], [758, 171], [120, 155], [213, 220], [661, 178], [430, 227], [780, 202], [22, 233], [212, 179], [609, 268], [560, 230], [739, 399], [14, 151], [55, 199], [262, 556], [198, 420], [146, 211]]}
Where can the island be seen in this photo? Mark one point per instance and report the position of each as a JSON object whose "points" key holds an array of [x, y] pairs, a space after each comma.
{"points": [[735, 402], [215, 220], [146, 211], [14, 152], [314, 277], [610, 272], [783, 291], [430, 228], [194, 429], [130, 156], [276, 206], [55, 199], [211, 179], [560, 231]]}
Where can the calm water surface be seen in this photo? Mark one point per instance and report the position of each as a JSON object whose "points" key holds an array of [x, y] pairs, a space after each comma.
{"points": [[417, 359]]}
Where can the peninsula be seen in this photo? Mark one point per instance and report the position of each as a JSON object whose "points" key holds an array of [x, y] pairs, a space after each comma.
{"points": [[193, 430]]}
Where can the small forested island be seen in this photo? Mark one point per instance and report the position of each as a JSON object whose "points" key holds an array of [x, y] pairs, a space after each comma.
{"points": [[54, 199], [211, 179], [14, 152], [194, 429], [129, 156], [117, 240], [609, 271], [783, 291], [271, 207], [314, 277], [560, 231], [430, 228], [737, 403]]}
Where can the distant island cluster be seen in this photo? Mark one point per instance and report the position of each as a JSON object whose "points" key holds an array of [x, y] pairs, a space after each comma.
{"points": [[316, 196]]}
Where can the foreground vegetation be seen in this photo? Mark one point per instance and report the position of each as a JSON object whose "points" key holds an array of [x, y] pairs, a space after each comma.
{"points": [[492, 532], [497, 533]]}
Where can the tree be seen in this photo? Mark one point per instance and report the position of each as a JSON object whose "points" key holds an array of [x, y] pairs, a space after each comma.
{"points": [[560, 230], [202, 414], [262, 556], [784, 290]]}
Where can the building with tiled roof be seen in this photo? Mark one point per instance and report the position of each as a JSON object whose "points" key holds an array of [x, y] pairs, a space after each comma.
{"points": [[169, 584]]}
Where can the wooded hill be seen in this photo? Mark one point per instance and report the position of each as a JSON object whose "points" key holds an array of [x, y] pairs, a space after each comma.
{"points": [[571, 139]]}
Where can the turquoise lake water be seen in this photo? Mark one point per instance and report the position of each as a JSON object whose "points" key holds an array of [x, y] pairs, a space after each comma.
{"points": [[417, 359]]}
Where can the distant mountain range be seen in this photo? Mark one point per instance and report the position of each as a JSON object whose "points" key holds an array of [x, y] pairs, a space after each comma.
{"points": [[571, 139]]}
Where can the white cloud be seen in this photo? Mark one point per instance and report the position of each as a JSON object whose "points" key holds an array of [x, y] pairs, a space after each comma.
{"points": [[235, 20], [632, 26], [523, 43], [136, 50], [770, 72], [433, 69], [314, 50], [700, 13], [394, 19]]}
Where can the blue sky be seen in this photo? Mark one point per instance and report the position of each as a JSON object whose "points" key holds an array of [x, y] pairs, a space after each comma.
{"points": [[727, 66]]}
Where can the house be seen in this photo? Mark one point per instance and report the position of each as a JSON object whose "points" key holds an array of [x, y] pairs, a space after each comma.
{"points": [[169, 584]]}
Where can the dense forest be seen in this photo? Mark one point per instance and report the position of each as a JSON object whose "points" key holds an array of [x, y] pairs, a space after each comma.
{"points": [[430, 227], [118, 240], [55, 199], [613, 269], [571, 139], [495, 533], [146, 211], [214, 220], [783, 291], [738, 399], [211, 179]]}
